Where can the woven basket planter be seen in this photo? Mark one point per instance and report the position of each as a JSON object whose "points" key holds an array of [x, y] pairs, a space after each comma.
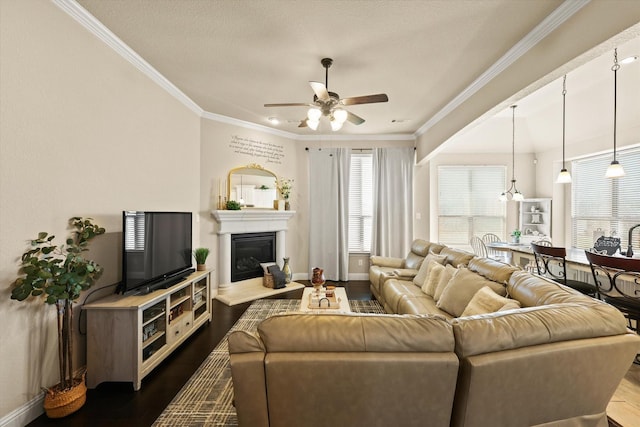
{"points": [[267, 280], [59, 404]]}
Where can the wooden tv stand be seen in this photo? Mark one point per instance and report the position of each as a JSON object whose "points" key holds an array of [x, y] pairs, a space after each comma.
{"points": [[129, 335]]}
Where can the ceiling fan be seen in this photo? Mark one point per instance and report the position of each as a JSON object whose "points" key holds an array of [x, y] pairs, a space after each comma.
{"points": [[329, 104]]}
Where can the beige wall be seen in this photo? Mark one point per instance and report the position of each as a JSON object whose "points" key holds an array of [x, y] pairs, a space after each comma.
{"points": [[82, 132]]}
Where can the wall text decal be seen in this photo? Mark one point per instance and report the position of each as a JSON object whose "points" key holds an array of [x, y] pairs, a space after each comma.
{"points": [[270, 152]]}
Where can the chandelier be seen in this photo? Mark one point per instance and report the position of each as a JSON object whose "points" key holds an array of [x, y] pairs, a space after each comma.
{"points": [[512, 192]]}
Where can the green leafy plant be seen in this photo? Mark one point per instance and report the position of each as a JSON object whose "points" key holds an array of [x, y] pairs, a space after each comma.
{"points": [[516, 233], [58, 274], [201, 254], [232, 205]]}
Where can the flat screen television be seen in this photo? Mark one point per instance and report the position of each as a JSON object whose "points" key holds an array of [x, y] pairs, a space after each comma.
{"points": [[156, 250]]}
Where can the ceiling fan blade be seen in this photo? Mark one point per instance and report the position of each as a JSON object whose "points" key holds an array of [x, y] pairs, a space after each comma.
{"points": [[367, 99], [356, 120], [303, 123], [289, 104], [320, 90]]}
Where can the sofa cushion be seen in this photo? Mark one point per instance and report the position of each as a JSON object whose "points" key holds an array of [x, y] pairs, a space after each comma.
{"points": [[443, 281], [423, 273], [456, 257], [420, 247], [492, 269], [433, 276], [487, 301], [533, 291], [461, 289], [420, 304], [395, 289]]}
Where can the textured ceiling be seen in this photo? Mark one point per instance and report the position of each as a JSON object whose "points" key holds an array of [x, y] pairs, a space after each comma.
{"points": [[231, 57]]}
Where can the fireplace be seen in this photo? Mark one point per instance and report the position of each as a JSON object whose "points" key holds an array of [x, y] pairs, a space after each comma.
{"points": [[247, 221], [248, 250]]}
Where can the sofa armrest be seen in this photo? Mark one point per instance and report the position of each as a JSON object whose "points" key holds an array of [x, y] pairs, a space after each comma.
{"points": [[383, 261], [246, 354], [405, 273]]}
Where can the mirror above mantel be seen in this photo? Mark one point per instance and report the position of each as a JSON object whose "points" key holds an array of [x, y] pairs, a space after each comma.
{"points": [[253, 185]]}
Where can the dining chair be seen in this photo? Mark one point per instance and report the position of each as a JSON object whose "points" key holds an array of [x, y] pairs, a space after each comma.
{"points": [[478, 246], [618, 281], [493, 253], [550, 261]]}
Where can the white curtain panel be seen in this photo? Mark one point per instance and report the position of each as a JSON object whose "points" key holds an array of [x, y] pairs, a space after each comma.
{"points": [[392, 231], [329, 211]]}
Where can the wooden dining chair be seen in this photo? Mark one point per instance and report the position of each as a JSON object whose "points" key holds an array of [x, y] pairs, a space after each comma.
{"points": [[550, 261], [618, 281], [478, 247]]}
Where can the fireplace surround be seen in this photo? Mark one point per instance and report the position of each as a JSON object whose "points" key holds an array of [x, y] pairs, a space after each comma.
{"points": [[247, 221], [248, 250]]}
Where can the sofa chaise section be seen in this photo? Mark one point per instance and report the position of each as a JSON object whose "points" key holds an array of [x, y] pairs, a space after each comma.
{"points": [[344, 370]]}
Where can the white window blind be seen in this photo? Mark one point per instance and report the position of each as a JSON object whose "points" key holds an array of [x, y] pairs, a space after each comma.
{"points": [[605, 206], [134, 231], [468, 203], [360, 202]]}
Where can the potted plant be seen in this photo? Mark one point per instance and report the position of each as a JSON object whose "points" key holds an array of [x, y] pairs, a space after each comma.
{"points": [[515, 236], [58, 274], [201, 254]]}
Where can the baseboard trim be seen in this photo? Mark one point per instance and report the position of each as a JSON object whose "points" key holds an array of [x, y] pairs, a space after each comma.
{"points": [[24, 414]]}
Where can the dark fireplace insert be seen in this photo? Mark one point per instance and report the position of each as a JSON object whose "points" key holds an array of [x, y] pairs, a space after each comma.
{"points": [[248, 250]]}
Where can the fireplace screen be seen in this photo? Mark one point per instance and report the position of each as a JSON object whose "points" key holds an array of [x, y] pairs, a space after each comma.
{"points": [[248, 250]]}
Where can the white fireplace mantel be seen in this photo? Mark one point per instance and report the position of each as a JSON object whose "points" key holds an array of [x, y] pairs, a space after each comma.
{"points": [[247, 221]]}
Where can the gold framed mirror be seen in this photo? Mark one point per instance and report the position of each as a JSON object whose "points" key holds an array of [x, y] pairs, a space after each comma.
{"points": [[252, 186]]}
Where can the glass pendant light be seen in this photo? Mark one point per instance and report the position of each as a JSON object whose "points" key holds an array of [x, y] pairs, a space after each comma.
{"points": [[615, 169], [564, 177], [512, 193]]}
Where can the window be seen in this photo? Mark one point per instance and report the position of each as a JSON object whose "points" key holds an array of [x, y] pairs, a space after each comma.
{"points": [[360, 202], [134, 231], [468, 203], [604, 206]]}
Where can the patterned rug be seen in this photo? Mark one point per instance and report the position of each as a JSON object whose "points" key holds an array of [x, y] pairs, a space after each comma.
{"points": [[205, 400]]}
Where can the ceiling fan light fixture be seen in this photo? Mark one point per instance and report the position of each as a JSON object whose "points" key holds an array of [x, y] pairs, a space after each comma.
{"points": [[313, 124], [314, 114], [335, 124], [340, 115]]}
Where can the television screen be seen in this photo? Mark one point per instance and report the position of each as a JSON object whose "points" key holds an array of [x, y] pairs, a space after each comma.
{"points": [[156, 249]]}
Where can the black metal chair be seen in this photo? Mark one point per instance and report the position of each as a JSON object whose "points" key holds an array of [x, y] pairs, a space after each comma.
{"points": [[550, 261], [618, 282]]}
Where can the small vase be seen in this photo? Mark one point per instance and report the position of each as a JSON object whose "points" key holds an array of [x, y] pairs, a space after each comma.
{"points": [[317, 278], [287, 206], [286, 270]]}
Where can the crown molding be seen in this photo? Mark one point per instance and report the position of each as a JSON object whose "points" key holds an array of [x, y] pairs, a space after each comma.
{"points": [[556, 18], [98, 29]]}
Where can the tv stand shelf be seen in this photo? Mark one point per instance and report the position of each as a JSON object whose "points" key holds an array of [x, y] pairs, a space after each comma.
{"points": [[129, 335]]}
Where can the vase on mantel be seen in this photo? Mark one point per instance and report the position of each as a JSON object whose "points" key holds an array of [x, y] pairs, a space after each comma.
{"points": [[287, 206], [286, 269]]}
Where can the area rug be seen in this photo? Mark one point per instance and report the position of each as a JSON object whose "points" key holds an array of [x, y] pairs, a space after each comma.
{"points": [[251, 290], [205, 400]]}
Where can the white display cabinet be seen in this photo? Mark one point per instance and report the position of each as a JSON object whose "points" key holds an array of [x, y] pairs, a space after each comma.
{"points": [[535, 219]]}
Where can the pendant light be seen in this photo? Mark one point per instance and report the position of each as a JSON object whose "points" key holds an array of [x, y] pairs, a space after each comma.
{"points": [[512, 193], [615, 169], [564, 177]]}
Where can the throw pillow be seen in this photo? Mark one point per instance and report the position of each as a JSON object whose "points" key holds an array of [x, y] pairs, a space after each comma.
{"points": [[461, 289], [265, 266], [433, 276], [422, 275], [443, 281], [279, 278], [487, 301]]}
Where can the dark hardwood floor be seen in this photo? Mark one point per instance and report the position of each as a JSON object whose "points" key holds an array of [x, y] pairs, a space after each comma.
{"points": [[112, 404]]}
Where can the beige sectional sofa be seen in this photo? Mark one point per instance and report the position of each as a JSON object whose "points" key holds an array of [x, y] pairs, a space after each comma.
{"points": [[555, 361]]}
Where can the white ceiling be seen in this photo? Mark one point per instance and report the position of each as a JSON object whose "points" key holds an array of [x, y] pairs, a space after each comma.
{"points": [[231, 57]]}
